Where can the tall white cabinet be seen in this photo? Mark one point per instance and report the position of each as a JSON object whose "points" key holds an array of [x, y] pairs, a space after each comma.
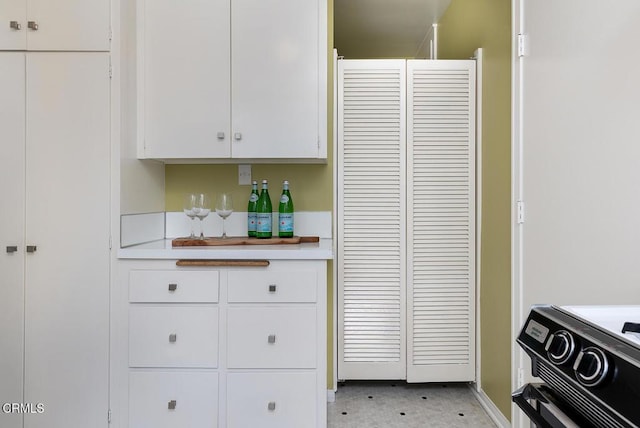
{"points": [[406, 216], [54, 237]]}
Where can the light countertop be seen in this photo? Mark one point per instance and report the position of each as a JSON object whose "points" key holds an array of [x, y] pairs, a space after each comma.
{"points": [[162, 249]]}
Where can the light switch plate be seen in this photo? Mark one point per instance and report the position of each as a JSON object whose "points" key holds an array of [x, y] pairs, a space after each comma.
{"points": [[244, 174]]}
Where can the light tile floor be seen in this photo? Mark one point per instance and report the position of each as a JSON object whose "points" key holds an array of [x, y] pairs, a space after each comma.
{"points": [[376, 404]]}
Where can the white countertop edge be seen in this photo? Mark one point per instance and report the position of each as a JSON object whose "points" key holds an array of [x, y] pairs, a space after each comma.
{"points": [[162, 249]]}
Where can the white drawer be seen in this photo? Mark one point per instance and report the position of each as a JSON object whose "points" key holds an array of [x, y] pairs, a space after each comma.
{"points": [[272, 286], [167, 286], [173, 399], [271, 400], [271, 337], [173, 336]]}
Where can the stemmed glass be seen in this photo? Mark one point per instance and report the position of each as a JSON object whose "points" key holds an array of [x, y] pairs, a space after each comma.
{"points": [[224, 208], [202, 210], [189, 207]]}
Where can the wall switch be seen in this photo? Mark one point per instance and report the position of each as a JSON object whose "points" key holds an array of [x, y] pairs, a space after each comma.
{"points": [[244, 174]]}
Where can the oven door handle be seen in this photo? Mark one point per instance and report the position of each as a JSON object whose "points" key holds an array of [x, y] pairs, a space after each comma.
{"points": [[522, 396]]}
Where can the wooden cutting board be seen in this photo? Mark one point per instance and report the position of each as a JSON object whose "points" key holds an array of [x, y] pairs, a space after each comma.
{"points": [[241, 240]]}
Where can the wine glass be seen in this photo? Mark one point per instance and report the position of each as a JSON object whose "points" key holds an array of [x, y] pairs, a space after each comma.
{"points": [[189, 208], [224, 208], [203, 208]]}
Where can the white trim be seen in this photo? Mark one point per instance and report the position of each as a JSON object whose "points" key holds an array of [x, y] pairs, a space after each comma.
{"points": [[331, 396], [434, 52], [334, 273], [478, 57], [494, 413], [517, 357], [140, 64]]}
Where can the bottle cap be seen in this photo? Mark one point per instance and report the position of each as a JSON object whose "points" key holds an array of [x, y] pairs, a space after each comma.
{"points": [[254, 182], [285, 182], [264, 181]]}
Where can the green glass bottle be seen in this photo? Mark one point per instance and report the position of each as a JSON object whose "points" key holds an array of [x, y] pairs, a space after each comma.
{"points": [[263, 213], [252, 210], [285, 213]]}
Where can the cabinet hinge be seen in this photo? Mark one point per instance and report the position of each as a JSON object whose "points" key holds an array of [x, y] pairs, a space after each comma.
{"points": [[110, 69], [520, 212], [318, 142], [110, 34], [110, 242], [523, 45], [109, 416]]}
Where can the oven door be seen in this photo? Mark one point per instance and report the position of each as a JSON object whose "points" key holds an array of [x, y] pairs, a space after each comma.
{"points": [[545, 411]]}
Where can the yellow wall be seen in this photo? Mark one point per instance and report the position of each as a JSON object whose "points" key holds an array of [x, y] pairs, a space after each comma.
{"points": [[311, 185], [466, 26]]}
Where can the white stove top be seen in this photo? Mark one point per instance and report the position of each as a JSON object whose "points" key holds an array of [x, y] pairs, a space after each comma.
{"points": [[609, 317]]}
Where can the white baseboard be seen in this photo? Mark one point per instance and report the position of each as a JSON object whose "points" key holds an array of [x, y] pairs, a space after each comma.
{"points": [[494, 413], [331, 396]]}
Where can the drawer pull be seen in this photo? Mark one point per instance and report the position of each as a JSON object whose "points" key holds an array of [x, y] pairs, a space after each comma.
{"points": [[271, 406], [15, 25], [272, 288], [173, 287], [272, 338], [12, 248], [173, 337], [31, 248], [171, 405]]}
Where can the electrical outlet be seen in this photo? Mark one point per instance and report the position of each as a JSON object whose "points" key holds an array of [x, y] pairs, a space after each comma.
{"points": [[244, 174]]}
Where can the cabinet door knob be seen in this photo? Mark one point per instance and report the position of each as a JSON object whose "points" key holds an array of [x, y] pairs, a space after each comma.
{"points": [[15, 25], [33, 25], [237, 136], [271, 406], [171, 405], [272, 288], [173, 337], [271, 338], [31, 248], [220, 135], [12, 248], [173, 287]]}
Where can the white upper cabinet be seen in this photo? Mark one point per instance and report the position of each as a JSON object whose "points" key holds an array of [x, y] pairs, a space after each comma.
{"points": [[64, 25], [232, 80]]}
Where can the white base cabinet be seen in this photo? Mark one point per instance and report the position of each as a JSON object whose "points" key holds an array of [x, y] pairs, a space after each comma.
{"points": [[221, 347]]}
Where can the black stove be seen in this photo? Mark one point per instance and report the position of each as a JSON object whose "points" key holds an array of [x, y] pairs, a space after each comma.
{"points": [[588, 358]]}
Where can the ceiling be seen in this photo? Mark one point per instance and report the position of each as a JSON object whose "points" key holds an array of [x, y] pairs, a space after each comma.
{"points": [[385, 28]]}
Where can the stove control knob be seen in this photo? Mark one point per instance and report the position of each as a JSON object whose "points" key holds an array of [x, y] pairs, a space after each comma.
{"points": [[560, 347], [591, 366]]}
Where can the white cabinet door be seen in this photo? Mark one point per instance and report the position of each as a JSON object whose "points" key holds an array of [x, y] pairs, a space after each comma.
{"points": [[275, 81], [67, 206], [66, 25], [13, 25], [372, 315], [441, 222], [12, 123], [184, 66]]}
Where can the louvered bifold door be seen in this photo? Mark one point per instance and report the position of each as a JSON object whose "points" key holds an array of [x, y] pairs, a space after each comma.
{"points": [[441, 220], [371, 219]]}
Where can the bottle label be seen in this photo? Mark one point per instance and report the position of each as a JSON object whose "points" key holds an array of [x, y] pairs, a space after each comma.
{"points": [[251, 222], [285, 223], [284, 199], [253, 197], [263, 224]]}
